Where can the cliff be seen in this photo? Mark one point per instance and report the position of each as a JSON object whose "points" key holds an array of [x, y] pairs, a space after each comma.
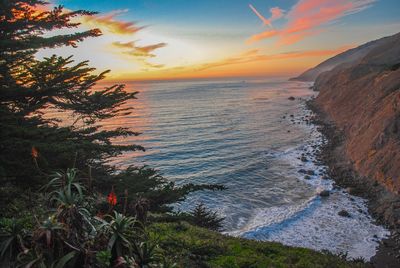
{"points": [[349, 57], [363, 101]]}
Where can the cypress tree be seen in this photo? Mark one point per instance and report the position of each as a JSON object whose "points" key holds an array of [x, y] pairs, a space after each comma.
{"points": [[29, 87]]}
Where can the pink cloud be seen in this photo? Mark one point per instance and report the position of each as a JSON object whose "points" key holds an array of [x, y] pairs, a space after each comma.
{"points": [[276, 13], [308, 16]]}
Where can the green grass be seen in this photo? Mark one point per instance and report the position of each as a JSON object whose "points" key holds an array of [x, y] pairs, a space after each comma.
{"points": [[191, 246]]}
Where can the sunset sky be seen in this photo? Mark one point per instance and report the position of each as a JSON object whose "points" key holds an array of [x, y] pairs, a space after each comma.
{"points": [[218, 38]]}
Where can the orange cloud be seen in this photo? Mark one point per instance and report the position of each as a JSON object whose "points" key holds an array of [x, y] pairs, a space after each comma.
{"points": [[139, 51], [108, 23], [306, 17], [147, 64], [140, 54], [41, 8], [263, 35]]}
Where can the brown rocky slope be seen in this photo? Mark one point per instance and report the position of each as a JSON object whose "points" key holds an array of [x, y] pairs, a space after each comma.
{"points": [[363, 101], [358, 109]]}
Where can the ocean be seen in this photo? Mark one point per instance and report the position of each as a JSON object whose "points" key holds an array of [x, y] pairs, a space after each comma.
{"points": [[248, 136]]}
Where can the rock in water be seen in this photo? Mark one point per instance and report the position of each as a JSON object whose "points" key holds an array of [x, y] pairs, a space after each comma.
{"points": [[324, 193], [344, 213], [310, 172]]}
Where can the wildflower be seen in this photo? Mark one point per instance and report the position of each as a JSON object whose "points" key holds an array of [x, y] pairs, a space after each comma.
{"points": [[34, 153], [112, 198]]}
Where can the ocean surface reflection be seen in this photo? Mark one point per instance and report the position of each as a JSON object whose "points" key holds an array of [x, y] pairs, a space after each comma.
{"points": [[248, 136]]}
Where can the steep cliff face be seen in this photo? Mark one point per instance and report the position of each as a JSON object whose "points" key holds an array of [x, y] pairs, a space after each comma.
{"points": [[349, 57], [363, 100]]}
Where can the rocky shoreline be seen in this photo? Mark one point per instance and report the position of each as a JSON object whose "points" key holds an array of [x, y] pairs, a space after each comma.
{"points": [[382, 204]]}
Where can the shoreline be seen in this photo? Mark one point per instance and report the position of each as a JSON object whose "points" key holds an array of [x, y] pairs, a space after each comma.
{"points": [[380, 201]]}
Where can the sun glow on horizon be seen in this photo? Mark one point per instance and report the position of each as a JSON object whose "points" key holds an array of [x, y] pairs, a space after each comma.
{"points": [[263, 39]]}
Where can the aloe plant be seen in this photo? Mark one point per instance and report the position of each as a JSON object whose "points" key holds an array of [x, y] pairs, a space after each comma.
{"points": [[72, 235], [146, 253], [122, 229], [50, 235], [68, 191], [12, 235], [71, 201], [32, 259], [128, 244]]}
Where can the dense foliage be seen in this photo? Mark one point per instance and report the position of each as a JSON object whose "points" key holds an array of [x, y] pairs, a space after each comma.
{"points": [[68, 230], [30, 86]]}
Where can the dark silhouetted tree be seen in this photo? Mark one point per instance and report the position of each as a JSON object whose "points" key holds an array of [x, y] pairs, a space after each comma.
{"points": [[29, 87]]}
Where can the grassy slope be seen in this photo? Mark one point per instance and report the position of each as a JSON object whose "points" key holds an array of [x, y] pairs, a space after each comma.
{"points": [[197, 247]]}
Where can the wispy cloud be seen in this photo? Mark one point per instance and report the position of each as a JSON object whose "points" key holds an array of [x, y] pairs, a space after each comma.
{"points": [[105, 22], [112, 25], [138, 51], [255, 55], [306, 17], [146, 65], [140, 54], [276, 13], [109, 23]]}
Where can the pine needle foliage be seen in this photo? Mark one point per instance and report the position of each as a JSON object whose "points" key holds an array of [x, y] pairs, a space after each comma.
{"points": [[29, 87], [206, 218]]}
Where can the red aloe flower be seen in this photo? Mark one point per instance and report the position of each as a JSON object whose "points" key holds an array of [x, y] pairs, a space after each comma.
{"points": [[34, 153], [112, 198]]}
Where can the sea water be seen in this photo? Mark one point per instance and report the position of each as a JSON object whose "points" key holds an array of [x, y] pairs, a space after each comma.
{"points": [[248, 136]]}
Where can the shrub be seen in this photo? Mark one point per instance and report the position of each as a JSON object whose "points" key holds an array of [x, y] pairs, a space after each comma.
{"points": [[203, 217]]}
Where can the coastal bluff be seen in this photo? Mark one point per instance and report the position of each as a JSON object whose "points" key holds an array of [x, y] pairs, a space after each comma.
{"points": [[363, 101], [358, 107]]}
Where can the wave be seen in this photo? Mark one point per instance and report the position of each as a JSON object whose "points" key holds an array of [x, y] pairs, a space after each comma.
{"points": [[251, 138]]}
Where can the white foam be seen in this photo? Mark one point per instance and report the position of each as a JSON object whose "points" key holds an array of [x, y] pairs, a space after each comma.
{"points": [[316, 224], [320, 227]]}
